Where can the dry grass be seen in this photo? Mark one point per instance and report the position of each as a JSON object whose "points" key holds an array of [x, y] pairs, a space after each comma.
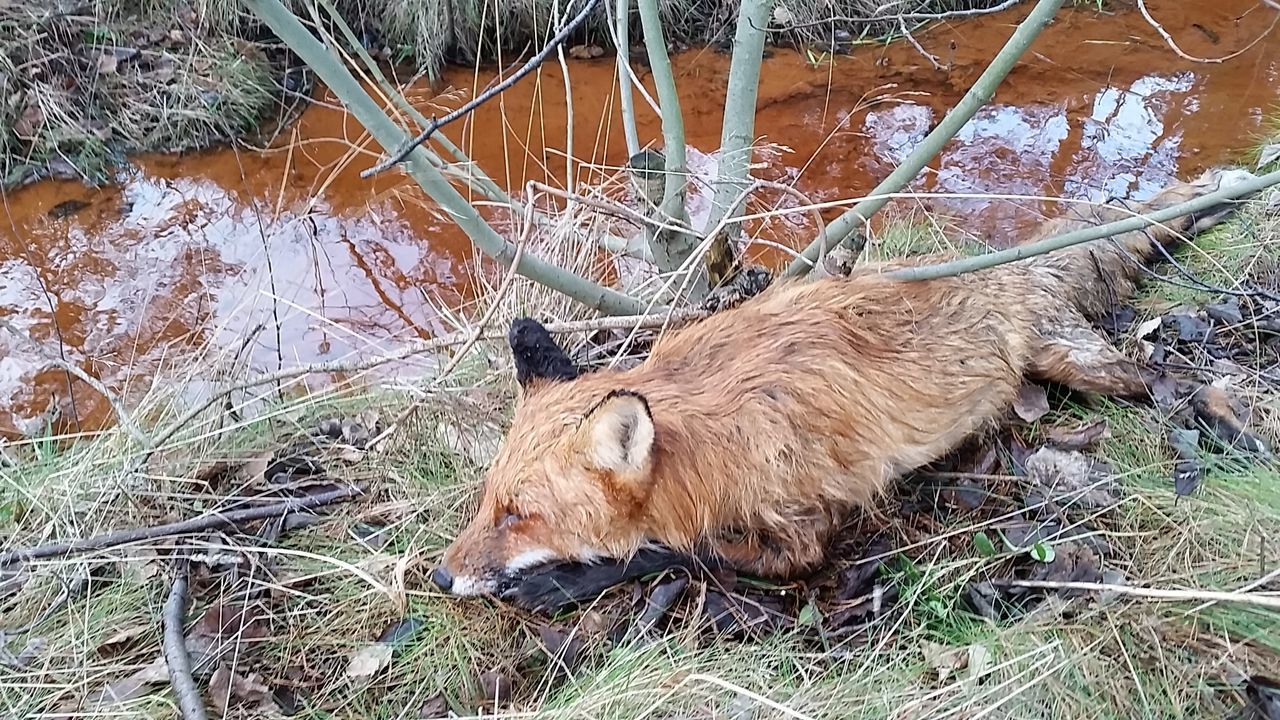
{"points": [[86, 84], [328, 595]]}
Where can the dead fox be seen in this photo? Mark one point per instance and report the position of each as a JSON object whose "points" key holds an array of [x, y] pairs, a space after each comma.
{"points": [[751, 435]]}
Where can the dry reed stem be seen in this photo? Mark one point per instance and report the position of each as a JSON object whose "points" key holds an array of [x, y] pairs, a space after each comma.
{"points": [[1256, 599]]}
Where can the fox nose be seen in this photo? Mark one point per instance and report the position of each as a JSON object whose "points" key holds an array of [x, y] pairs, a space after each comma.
{"points": [[442, 578]]}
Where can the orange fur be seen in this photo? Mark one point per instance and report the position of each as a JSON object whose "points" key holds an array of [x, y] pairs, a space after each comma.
{"points": [[757, 430]]}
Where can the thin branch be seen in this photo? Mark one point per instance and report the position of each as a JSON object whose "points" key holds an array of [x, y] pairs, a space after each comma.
{"points": [[738, 121], [906, 32], [190, 703], [339, 80], [210, 521], [1267, 601], [117, 406], [669, 249], [845, 227], [622, 43], [403, 152], [475, 175], [1076, 237], [1173, 45]]}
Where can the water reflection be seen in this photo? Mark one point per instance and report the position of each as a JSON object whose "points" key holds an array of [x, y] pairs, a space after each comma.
{"points": [[192, 252]]}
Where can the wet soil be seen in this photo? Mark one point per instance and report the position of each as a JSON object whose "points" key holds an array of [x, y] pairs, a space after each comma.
{"points": [[190, 252]]}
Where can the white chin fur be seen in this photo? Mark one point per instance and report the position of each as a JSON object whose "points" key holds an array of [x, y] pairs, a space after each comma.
{"points": [[530, 558], [468, 586]]}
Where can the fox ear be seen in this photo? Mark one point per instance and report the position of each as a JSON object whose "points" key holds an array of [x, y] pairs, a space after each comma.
{"points": [[620, 433], [536, 354]]}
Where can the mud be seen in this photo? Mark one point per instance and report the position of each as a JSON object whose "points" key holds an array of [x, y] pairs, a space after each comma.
{"points": [[186, 254]]}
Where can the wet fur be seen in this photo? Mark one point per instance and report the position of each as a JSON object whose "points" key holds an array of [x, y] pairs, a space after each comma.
{"points": [[772, 421]]}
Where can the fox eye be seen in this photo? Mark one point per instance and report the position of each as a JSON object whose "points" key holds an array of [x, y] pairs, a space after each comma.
{"points": [[507, 520]]}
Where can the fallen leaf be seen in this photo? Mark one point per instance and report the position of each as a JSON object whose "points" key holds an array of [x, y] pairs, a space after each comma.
{"points": [[983, 543], [136, 685], [1078, 437], [495, 689], [1072, 562], [107, 63], [33, 649], [29, 122], [1118, 319], [1191, 329], [228, 688], [369, 660], [979, 661], [1068, 476], [1227, 311], [435, 708], [1111, 577], [562, 645], [944, 660], [1189, 470], [737, 615], [121, 639], [1148, 327], [1032, 403]]}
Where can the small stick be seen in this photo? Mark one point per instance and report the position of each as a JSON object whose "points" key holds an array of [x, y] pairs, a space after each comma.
{"points": [[1267, 601], [403, 152], [184, 687], [204, 522]]}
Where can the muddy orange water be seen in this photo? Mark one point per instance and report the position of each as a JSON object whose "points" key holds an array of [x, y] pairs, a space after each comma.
{"points": [[193, 251]]}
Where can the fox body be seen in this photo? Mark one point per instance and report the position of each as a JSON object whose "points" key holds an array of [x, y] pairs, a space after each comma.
{"points": [[753, 433]]}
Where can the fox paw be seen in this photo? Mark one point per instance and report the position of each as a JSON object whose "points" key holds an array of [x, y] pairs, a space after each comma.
{"points": [[749, 282]]}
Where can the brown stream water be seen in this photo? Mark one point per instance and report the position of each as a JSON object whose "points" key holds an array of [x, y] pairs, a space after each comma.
{"points": [[191, 251]]}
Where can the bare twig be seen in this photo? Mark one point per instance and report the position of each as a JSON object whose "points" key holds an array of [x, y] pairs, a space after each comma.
{"points": [[476, 333], [1173, 45], [621, 40], [1260, 600], [117, 407], [190, 703], [403, 152], [1021, 252], [906, 32], [204, 522], [845, 227]]}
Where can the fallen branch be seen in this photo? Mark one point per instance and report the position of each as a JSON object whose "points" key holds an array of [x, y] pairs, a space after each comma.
{"points": [[1076, 237], [197, 524], [845, 227], [1267, 601], [534, 62], [190, 703]]}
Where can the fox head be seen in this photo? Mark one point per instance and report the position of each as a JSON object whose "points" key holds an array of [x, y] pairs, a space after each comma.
{"points": [[570, 481]]}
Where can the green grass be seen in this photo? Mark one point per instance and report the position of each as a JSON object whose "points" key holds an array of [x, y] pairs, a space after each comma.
{"points": [[328, 595]]}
